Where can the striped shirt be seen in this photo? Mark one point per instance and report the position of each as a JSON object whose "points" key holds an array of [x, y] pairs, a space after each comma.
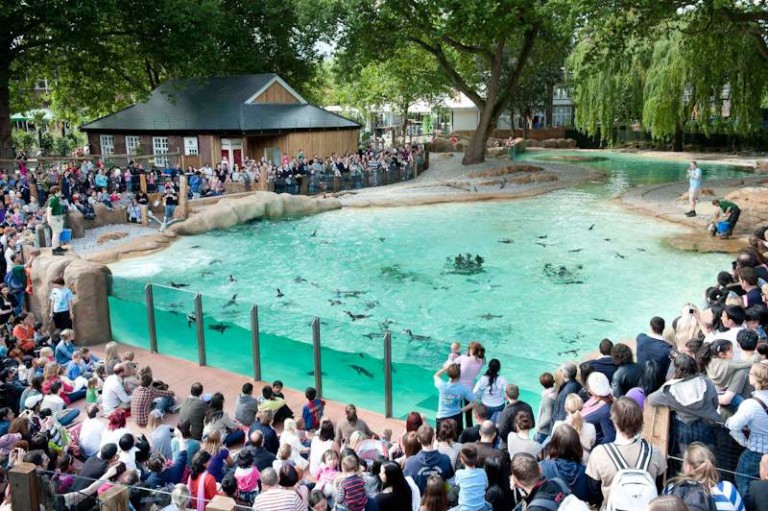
{"points": [[279, 499], [350, 494], [726, 497]]}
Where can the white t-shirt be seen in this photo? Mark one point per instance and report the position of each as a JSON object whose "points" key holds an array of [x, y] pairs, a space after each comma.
{"points": [[9, 253], [492, 395], [90, 436]]}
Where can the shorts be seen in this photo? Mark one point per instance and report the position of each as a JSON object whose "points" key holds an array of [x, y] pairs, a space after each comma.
{"points": [[694, 193], [62, 320]]}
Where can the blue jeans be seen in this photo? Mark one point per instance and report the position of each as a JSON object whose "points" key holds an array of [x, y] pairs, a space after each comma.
{"points": [[69, 417], [169, 211], [235, 437], [164, 404], [749, 466], [75, 396]]}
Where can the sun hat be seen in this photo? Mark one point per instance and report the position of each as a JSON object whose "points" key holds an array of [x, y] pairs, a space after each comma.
{"points": [[598, 385], [31, 401]]}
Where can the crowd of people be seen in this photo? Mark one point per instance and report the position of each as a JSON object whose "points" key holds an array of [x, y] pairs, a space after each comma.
{"points": [[90, 423]]}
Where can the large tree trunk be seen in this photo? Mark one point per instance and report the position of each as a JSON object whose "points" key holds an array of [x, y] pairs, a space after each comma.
{"points": [[6, 143], [475, 151], [677, 140]]}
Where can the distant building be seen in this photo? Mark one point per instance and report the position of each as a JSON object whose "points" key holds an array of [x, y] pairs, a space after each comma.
{"points": [[223, 118], [464, 115]]}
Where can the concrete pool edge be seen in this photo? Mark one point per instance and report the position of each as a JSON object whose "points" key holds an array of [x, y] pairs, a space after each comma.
{"points": [[663, 203]]}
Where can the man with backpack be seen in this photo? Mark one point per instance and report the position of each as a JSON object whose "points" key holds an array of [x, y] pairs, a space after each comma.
{"points": [[541, 494], [623, 473]]}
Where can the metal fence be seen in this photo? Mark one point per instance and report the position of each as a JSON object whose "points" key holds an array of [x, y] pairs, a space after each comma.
{"points": [[198, 318]]}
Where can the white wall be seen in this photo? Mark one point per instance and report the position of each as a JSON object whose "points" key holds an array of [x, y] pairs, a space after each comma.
{"points": [[465, 119]]}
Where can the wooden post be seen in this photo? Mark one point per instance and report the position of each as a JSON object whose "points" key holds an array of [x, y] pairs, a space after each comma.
{"points": [[183, 196], [23, 480], [144, 215], [115, 499], [335, 183], [220, 503], [32, 181], [150, 303], [143, 182]]}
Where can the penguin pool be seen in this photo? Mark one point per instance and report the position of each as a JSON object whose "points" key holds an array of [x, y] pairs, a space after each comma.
{"points": [[559, 272]]}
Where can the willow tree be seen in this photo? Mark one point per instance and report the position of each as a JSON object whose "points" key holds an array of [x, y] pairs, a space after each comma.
{"points": [[482, 47], [702, 68]]}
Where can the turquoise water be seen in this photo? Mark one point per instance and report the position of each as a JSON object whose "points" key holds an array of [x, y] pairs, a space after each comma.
{"points": [[561, 272]]}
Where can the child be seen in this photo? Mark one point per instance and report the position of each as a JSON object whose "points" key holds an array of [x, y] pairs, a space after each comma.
{"points": [[277, 389], [350, 490], [247, 476], [454, 354], [326, 472], [283, 458], [313, 410], [471, 481], [386, 438], [92, 392], [301, 432]]}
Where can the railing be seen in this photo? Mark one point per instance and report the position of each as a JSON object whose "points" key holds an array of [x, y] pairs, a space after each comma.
{"points": [[199, 316], [350, 361]]}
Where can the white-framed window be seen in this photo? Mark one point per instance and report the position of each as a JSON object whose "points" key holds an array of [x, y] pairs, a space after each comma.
{"points": [[160, 149], [107, 143], [190, 146], [561, 116], [132, 143]]}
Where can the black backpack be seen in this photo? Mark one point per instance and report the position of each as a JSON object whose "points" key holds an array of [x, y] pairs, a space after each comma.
{"points": [[693, 495]]}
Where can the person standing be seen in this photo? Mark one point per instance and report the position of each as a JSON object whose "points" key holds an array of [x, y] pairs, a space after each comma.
{"points": [[55, 218], [694, 187], [171, 200], [62, 306]]}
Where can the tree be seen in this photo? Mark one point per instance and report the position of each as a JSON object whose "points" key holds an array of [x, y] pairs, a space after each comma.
{"points": [[403, 79], [482, 47], [676, 67], [105, 55]]}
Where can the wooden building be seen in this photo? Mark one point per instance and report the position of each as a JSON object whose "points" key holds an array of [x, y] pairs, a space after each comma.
{"points": [[223, 118]]}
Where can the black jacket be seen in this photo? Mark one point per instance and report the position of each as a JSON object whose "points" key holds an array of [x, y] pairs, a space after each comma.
{"points": [[566, 389], [546, 490], [626, 377], [604, 365], [506, 421]]}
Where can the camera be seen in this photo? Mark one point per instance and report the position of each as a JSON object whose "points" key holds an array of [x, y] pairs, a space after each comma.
{"points": [[691, 311]]}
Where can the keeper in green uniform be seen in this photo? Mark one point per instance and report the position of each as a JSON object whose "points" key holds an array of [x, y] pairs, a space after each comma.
{"points": [[729, 210], [55, 216]]}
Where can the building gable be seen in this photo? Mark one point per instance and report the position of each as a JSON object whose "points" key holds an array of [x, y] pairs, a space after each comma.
{"points": [[277, 92]]}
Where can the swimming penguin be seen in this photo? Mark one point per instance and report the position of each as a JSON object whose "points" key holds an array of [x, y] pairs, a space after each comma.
{"points": [[232, 279], [279, 293]]}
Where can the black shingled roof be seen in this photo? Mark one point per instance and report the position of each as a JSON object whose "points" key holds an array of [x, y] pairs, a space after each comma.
{"points": [[216, 104]]}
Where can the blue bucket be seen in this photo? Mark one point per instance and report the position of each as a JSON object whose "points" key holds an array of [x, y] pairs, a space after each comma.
{"points": [[723, 227], [65, 236]]}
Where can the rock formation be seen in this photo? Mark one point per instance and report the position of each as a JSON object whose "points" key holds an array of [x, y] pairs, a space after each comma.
{"points": [[89, 282], [229, 212]]}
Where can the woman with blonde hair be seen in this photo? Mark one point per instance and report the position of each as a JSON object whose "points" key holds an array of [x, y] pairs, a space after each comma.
{"points": [[587, 432], [752, 414], [219, 455], [111, 357], [687, 327], [699, 470]]}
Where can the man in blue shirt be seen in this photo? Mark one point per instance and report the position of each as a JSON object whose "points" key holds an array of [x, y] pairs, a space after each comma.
{"points": [[452, 396], [694, 187]]}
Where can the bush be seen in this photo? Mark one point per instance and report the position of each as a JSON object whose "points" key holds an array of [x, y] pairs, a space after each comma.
{"points": [[46, 144], [23, 140], [63, 146]]}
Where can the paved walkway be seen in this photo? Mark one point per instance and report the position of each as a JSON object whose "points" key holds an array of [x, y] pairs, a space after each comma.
{"points": [[181, 374]]}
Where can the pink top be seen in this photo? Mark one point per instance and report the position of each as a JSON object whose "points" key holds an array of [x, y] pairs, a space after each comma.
{"points": [[324, 475], [470, 366], [247, 478]]}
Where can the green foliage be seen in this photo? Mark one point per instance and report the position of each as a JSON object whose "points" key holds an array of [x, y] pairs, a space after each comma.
{"points": [[672, 65], [46, 144], [482, 47], [62, 146], [24, 140]]}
